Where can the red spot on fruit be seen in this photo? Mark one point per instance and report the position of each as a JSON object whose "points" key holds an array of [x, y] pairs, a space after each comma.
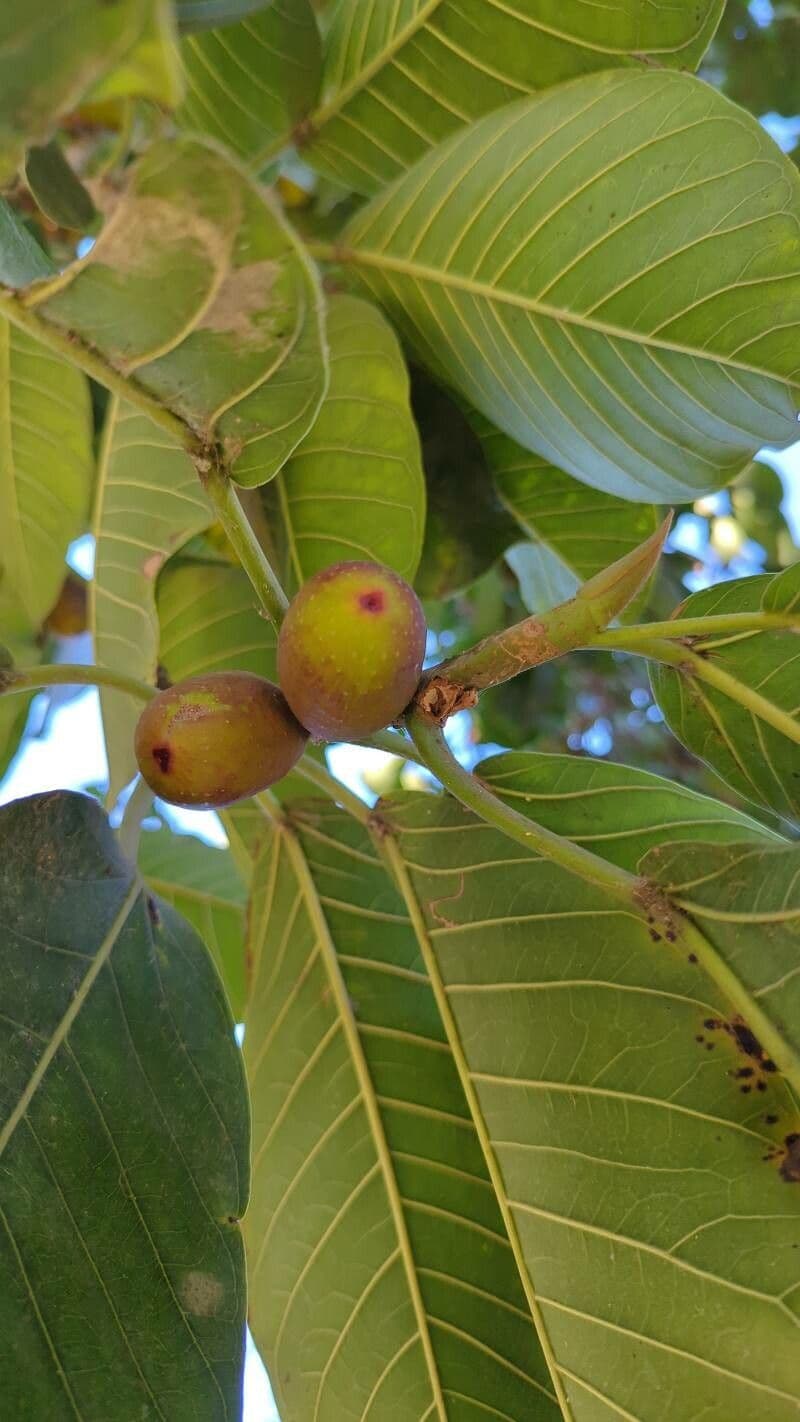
{"points": [[162, 755], [372, 601]]}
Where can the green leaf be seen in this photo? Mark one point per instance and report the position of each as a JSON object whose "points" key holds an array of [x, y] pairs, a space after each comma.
{"points": [[249, 83], [50, 57], [198, 290], [204, 885], [466, 529], [400, 78], [609, 274], [47, 469], [382, 1284], [575, 531], [746, 899], [58, 193], [649, 1192], [22, 260], [207, 14], [748, 732], [148, 501], [210, 621], [123, 1138], [354, 487], [152, 69]]}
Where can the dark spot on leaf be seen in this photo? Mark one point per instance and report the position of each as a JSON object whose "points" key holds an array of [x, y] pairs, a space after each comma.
{"points": [[761, 1086], [162, 755], [771, 1120], [692, 957], [790, 1165], [746, 1039], [699, 1037], [372, 601], [152, 909], [745, 1090]]}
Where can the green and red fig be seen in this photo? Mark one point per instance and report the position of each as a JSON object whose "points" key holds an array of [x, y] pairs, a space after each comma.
{"points": [[211, 740], [350, 650]]}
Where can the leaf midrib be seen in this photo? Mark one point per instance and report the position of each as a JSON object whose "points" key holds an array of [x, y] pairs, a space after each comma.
{"points": [[76, 1003], [344, 1010], [420, 272], [395, 862]]}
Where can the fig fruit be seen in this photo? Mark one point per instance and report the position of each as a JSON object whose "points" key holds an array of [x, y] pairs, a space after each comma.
{"points": [[350, 650], [211, 740]]}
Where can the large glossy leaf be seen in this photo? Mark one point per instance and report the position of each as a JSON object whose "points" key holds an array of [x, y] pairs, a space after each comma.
{"points": [[148, 501], [733, 729], [609, 273], [249, 83], [655, 1199], [401, 78], [198, 289], [574, 531], [123, 1139], [354, 487], [50, 55], [382, 1284], [46, 469], [203, 883], [210, 621]]}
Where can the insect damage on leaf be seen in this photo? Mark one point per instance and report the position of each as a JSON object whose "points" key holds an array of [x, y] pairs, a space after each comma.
{"points": [[750, 1077]]}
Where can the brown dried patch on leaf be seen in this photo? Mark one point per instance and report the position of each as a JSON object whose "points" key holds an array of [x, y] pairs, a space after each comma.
{"points": [[433, 905], [142, 225], [242, 296], [152, 565]]}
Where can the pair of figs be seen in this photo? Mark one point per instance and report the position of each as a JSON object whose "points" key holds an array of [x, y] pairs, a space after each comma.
{"points": [[350, 654]]}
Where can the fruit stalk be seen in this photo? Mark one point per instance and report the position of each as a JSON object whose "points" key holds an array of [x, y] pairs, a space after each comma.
{"points": [[456, 684]]}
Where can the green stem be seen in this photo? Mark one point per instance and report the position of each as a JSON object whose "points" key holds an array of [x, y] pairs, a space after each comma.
{"points": [[678, 627], [690, 664], [391, 742], [639, 897], [18, 679], [65, 344], [324, 251], [322, 779], [467, 788], [251, 555], [136, 810], [455, 684]]}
